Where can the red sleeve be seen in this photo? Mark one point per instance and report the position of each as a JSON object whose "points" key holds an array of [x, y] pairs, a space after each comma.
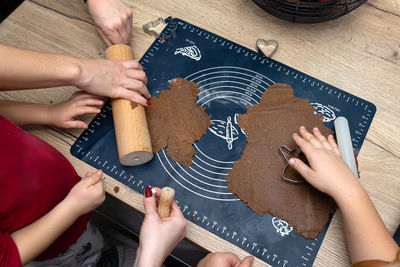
{"points": [[34, 178], [9, 255]]}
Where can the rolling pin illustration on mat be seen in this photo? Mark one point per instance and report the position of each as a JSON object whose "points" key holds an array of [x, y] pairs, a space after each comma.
{"points": [[344, 142], [131, 130], [166, 198]]}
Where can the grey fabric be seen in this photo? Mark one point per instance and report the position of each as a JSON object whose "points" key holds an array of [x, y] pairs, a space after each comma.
{"points": [[85, 252]]}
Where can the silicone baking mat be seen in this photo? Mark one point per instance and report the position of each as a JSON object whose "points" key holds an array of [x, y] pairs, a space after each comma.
{"points": [[230, 77]]}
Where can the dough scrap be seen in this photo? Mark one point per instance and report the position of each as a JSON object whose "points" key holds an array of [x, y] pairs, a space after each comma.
{"points": [[176, 121], [256, 177]]}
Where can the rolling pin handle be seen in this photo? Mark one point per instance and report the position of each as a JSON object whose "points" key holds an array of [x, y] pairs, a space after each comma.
{"points": [[166, 198]]}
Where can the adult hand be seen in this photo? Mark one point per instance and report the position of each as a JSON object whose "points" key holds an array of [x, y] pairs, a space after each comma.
{"points": [[115, 79], [327, 172], [225, 259], [113, 20], [88, 194], [158, 236]]}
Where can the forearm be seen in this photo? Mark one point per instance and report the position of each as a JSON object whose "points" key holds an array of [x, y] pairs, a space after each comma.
{"points": [[22, 113], [366, 235], [33, 239], [24, 69], [147, 259]]}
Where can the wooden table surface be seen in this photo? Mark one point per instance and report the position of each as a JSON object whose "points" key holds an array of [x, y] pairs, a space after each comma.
{"points": [[358, 53]]}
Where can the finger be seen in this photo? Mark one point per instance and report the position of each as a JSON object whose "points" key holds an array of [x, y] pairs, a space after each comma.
{"points": [[305, 146], [301, 168], [229, 258], [138, 86], [114, 36], [131, 18], [79, 95], [90, 102], [175, 210], [137, 75], [123, 34], [94, 178], [246, 262], [131, 64], [88, 174], [128, 28], [104, 37], [85, 110], [321, 138], [150, 204], [100, 186], [132, 96], [157, 194], [334, 145], [309, 137], [128, 24], [158, 191], [75, 124]]}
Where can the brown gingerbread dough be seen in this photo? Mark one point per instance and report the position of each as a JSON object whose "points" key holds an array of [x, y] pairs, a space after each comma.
{"points": [[176, 121], [256, 177]]}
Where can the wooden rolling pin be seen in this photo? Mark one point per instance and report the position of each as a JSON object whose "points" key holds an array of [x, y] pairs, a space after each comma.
{"points": [[166, 198], [131, 130]]}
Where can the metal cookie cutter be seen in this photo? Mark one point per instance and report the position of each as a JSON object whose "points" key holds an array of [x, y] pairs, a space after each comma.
{"points": [[288, 154], [148, 28], [263, 42]]}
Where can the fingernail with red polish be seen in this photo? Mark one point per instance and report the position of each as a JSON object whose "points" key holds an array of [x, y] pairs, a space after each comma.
{"points": [[147, 192], [148, 103]]}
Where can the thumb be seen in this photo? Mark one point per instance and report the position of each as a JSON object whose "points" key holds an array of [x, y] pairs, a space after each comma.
{"points": [[229, 258], [246, 262], [149, 202], [301, 168], [93, 178]]}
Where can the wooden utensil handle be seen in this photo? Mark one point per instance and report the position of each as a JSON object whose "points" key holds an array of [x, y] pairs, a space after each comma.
{"points": [[166, 198], [131, 129]]}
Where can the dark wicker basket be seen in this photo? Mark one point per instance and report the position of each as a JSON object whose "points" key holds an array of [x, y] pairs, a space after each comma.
{"points": [[308, 11]]}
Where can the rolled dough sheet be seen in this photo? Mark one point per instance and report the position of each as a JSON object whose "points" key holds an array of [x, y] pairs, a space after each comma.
{"points": [[176, 121], [256, 177]]}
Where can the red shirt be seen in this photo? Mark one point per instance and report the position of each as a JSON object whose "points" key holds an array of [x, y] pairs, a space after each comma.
{"points": [[34, 178]]}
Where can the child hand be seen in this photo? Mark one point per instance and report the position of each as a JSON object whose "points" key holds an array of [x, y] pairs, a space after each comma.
{"points": [[158, 237], [225, 259], [327, 172], [62, 114], [88, 194]]}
